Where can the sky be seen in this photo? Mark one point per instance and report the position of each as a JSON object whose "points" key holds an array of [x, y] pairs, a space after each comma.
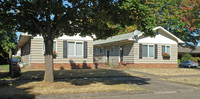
{"points": [[18, 34]]}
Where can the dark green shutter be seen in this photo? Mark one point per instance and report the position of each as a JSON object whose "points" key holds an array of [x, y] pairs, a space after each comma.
{"points": [[85, 49], [64, 49], [140, 51], [156, 51]]}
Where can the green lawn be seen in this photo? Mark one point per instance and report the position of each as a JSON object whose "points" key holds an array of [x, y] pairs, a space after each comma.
{"points": [[198, 67]]}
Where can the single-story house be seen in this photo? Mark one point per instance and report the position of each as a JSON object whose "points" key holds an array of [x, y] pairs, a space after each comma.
{"points": [[183, 50], [134, 50], [72, 51]]}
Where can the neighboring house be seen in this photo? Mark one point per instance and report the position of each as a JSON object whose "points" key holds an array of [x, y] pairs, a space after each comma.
{"points": [[183, 50], [135, 50], [72, 51]]}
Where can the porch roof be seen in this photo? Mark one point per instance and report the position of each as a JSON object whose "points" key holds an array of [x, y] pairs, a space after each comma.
{"points": [[188, 50], [132, 37], [118, 38], [23, 39]]}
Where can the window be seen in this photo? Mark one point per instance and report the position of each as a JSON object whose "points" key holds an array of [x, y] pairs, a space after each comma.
{"points": [[75, 49], [101, 50], [112, 49], [144, 51], [96, 51], [54, 46], [166, 49], [79, 49], [147, 50]]}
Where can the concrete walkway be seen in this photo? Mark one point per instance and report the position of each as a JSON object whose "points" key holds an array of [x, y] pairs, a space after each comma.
{"points": [[158, 89]]}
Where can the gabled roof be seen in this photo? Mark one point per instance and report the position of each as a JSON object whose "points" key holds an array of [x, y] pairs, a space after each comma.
{"points": [[179, 40], [130, 36]]}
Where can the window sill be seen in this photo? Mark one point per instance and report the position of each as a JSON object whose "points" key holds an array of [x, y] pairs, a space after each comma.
{"points": [[148, 58], [75, 56]]}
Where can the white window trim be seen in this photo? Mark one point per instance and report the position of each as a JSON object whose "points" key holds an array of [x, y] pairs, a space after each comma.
{"points": [[113, 49], [166, 49], [148, 50], [100, 50], [75, 49]]}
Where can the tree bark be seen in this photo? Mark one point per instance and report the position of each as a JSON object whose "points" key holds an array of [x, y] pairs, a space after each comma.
{"points": [[10, 62], [48, 76]]}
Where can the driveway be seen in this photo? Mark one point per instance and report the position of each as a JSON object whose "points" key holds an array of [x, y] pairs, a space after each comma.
{"points": [[158, 89]]}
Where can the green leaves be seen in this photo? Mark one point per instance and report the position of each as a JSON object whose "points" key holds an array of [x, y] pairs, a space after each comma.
{"points": [[7, 40], [170, 15]]}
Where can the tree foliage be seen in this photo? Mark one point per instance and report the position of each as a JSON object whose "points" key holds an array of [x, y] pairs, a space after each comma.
{"points": [[180, 17], [8, 38], [8, 41], [186, 57], [53, 18]]}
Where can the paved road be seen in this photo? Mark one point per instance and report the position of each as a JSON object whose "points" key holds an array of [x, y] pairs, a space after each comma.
{"points": [[158, 90]]}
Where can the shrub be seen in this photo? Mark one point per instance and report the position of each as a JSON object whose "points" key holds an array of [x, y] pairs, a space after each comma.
{"points": [[198, 58], [179, 61], [194, 59], [186, 57]]}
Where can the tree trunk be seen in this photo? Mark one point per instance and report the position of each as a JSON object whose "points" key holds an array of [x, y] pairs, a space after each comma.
{"points": [[48, 76], [10, 62]]}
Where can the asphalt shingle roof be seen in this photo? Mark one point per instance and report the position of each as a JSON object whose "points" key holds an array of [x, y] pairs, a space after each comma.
{"points": [[188, 50], [114, 39]]}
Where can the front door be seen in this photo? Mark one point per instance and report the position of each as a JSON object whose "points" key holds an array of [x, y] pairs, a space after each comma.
{"points": [[107, 55], [121, 54]]}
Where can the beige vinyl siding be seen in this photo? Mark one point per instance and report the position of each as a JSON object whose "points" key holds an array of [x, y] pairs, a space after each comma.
{"points": [[37, 50], [131, 54], [25, 55], [114, 57], [128, 53], [38, 57], [60, 59], [173, 55]]}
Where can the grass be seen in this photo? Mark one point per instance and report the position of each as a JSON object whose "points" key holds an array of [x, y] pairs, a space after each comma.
{"points": [[61, 87], [78, 73], [170, 72], [198, 67], [4, 68], [31, 83], [4, 72], [186, 80]]}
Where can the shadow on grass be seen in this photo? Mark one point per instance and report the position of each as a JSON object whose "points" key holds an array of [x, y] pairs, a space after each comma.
{"points": [[4, 75], [78, 77], [9, 90], [89, 76]]}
